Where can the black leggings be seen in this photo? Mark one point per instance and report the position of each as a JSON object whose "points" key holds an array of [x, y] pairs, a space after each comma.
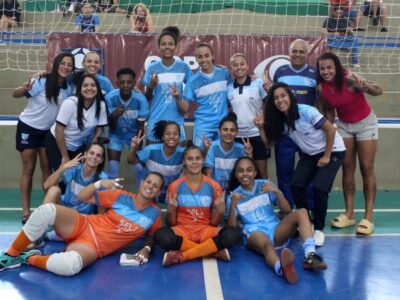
{"points": [[227, 237], [54, 154]]}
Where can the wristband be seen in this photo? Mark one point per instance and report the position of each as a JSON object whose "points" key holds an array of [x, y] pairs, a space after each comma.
{"points": [[97, 184], [148, 248]]}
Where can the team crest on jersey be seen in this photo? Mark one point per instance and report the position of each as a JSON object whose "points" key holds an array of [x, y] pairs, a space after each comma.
{"points": [[24, 138], [79, 54]]}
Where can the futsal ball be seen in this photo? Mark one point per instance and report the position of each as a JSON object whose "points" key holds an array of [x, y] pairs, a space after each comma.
{"points": [[79, 54]]}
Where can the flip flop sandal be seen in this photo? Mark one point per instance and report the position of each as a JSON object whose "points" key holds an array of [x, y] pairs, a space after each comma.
{"points": [[365, 227], [342, 221]]}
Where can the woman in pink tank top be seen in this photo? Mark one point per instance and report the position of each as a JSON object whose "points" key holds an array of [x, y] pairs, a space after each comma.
{"points": [[342, 92]]}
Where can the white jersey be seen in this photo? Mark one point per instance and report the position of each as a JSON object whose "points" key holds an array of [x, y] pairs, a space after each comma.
{"points": [[246, 100], [39, 112], [68, 116], [309, 136]]}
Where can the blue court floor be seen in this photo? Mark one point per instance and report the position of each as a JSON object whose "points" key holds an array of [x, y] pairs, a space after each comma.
{"points": [[359, 268]]}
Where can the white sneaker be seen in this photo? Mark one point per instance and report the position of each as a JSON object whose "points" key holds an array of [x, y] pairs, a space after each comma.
{"points": [[319, 237]]}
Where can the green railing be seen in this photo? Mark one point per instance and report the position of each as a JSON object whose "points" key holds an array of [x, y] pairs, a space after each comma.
{"points": [[283, 7]]}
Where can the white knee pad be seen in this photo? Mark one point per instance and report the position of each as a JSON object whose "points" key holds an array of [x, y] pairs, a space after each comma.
{"points": [[43, 217], [65, 263]]}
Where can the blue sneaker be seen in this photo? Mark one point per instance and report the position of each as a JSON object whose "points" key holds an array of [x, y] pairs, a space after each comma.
{"points": [[23, 257], [9, 262]]}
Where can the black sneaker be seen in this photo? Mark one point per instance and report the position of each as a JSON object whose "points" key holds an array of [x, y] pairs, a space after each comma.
{"points": [[384, 29], [314, 262], [375, 21], [359, 29]]}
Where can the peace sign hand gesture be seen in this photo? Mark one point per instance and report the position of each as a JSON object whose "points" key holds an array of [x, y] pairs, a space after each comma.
{"points": [[153, 80], [220, 203], [173, 89], [207, 143], [172, 200], [248, 148], [137, 140], [27, 86]]}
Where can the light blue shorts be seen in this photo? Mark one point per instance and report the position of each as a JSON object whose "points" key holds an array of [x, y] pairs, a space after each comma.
{"points": [[117, 143]]}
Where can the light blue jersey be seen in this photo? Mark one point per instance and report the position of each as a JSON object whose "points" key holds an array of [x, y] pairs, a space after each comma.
{"points": [[136, 109], [256, 210], [163, 105], [154, 160], [222, 162], [105, 84], [309, 136], [209, 91], [40, 113], [75, 182]]}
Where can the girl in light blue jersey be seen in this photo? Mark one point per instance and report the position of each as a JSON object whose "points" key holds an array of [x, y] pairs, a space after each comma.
{"points": [[165, 158], [91, 65], [208, 90], [251, 200], [76, 174], [224, 152], [164, 81]]}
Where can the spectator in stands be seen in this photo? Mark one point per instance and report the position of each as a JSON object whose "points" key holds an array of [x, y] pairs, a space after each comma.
{"points": [[339, 33], [351, 11], [342, 92], [86, 21], [141, 20], [10, 14], [109, 6], [376, 10], [72, 6]]}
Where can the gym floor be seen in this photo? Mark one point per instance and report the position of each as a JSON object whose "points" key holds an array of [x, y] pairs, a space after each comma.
{"points": [[360, 267]]}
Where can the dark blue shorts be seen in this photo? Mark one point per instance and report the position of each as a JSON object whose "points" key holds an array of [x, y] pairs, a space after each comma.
{"points": [[28, 137]]}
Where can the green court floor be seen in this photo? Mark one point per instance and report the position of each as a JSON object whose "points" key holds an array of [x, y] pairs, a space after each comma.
{"points": [[387, 211]]}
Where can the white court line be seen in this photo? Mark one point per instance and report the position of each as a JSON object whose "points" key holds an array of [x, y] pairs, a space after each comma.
{"points": [[276, 210], [211, 279]]}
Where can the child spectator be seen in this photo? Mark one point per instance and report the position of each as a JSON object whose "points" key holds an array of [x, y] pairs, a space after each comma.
{"points": [[10, 14], [108, 6], [86, 21]]}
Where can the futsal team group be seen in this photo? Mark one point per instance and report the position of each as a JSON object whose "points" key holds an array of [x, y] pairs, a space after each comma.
{"points": [[215, 185]]}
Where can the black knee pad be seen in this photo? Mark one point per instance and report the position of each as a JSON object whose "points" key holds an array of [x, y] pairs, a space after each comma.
{"points": [[166, 238], [228, 237]]}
